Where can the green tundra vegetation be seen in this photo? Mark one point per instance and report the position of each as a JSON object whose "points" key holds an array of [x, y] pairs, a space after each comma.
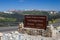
{"points": [[19, 16], [7, 19]]}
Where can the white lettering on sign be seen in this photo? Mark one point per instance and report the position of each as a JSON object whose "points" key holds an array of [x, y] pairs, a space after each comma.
{"points": [[34, 20], [35, 17], [30, 23]]}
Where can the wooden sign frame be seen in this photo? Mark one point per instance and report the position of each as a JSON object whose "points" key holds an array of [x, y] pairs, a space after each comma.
{"points": [[35, 21]]}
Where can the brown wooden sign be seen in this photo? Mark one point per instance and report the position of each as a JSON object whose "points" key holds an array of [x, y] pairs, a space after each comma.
{"points": [[35, 21]]}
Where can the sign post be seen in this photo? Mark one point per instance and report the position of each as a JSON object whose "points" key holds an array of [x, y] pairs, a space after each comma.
{"points": [[35, 21]]}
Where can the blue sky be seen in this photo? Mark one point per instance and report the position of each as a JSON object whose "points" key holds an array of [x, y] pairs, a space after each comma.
{"points": [[30, 4]]}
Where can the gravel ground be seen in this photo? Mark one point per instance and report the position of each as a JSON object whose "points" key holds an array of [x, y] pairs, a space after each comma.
{"points": [[14, 35]]}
